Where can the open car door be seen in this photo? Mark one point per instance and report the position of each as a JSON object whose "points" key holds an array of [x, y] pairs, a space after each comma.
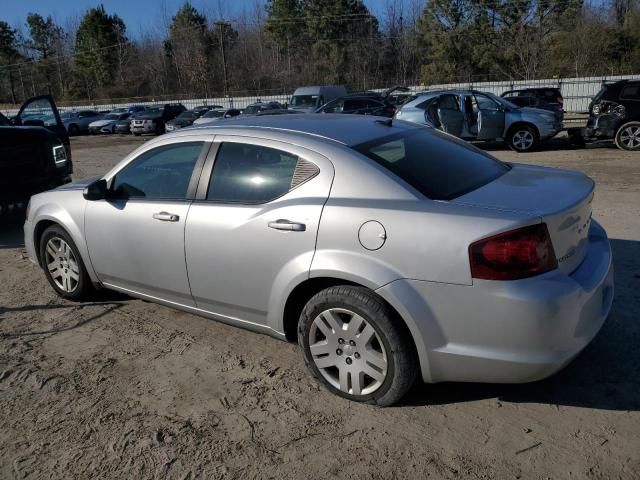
{"points": [[490, 117], [449, 114], [42, 111]]}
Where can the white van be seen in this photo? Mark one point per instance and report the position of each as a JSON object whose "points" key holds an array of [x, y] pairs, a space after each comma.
{"points": [[309, 99]]}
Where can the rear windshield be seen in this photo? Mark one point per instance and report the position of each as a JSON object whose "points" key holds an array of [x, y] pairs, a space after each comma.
{"points": [[437, 165]]}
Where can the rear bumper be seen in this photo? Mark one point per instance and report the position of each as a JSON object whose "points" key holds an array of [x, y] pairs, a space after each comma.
{"points": [[549, 131], [601, 127], [508, 332]]}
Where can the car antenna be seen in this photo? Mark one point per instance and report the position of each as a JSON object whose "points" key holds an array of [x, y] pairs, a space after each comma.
{"points": [[386, 123]]}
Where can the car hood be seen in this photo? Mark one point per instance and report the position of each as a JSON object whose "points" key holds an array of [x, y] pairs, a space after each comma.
{"points": [[102, 123], [80, 184], [149, 116], [180, 123], [537, 111]]}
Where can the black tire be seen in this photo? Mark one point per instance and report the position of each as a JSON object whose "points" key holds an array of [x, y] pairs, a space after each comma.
{"points": [[83, 285], [160, 128], [402, 362], [628, 137], [73, 130], [137, 134], [518, 133]]}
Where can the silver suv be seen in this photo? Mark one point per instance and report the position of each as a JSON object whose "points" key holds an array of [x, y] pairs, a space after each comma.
{"points": [[473, 115]]}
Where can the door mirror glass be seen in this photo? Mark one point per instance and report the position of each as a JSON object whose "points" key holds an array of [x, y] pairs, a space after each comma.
{"points": [[96, 190]]}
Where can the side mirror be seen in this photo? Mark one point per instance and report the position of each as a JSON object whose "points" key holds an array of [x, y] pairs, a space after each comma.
{"points": [[96, 190]]}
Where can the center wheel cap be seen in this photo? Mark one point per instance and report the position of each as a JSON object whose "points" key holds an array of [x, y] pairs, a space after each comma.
{"points": [[348, 350]]}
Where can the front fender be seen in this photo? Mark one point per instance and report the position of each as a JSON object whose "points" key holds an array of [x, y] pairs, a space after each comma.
{"points": [[71, 221]]}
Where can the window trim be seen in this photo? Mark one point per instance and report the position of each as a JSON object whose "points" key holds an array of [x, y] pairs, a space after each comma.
{"points": [[193, 181], [207, 172]]}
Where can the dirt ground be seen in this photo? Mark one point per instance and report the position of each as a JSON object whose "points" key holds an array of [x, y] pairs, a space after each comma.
{"points": [[120, 388]]}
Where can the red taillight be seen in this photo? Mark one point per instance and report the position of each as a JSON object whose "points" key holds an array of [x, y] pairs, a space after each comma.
{"points": [[520, 253]]}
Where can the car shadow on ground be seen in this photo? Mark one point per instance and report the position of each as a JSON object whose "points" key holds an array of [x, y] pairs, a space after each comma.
{"points": [[606, 375]]}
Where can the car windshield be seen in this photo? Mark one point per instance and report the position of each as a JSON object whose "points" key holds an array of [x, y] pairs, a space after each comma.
{"points": [[187, 116], [304, 101], [437, 165], [67, 115], [111, 116], [213, 114]]}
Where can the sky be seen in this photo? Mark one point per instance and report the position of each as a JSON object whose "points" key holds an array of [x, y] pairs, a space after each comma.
{"points": [[138, 15]]}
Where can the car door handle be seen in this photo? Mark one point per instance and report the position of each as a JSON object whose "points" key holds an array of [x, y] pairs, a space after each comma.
{"points": [[283, 224], [166, 217]]}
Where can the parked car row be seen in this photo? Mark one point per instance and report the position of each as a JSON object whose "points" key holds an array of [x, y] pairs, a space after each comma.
{"points": [[522, 118]]}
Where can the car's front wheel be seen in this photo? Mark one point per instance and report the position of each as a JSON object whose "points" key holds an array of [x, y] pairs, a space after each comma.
{"points": [[523, 138], [628, 136], [355, 345], [63, 265]]}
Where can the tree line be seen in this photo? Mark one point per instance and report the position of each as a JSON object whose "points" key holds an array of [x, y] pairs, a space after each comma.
{"points": [[281, 44]]}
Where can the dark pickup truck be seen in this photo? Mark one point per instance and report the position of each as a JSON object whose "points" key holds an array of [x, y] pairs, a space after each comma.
{"points": [[35, 154]]}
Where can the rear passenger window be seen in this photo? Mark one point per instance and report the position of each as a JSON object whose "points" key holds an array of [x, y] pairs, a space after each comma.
{"points": [[254, 174], [631, 92]]}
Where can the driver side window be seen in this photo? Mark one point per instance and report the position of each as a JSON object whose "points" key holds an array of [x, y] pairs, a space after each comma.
{"points": [[162, 173]]}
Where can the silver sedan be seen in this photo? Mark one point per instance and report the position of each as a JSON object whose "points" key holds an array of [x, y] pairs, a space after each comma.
{"points": [[387, 250]]}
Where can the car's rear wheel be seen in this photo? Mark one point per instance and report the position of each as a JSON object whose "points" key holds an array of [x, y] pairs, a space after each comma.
{"points": [[628, 136], [355, 346], [73, 130], [63, 265], [523, 138]]}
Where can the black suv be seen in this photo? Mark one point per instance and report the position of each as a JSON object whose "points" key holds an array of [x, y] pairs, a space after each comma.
{"points": [[546, 98], [153, 120], [614, 114], [35, 154]]}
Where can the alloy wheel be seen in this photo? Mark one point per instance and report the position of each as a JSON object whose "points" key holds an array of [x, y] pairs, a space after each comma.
{"points": [[523, 139], [62, 264], [348, 352], [630, 137]]}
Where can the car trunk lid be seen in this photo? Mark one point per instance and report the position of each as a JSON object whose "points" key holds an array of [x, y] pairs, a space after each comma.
{"points": [[560, 198]]}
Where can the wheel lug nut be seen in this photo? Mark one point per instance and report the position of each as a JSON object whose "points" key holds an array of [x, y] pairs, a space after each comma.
{"points": [[339, 352], [357, 355], [349, 361], [340, 341], [352, 343]]}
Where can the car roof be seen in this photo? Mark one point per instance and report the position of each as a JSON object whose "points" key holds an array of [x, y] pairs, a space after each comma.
{"points": [[345, 129]]}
